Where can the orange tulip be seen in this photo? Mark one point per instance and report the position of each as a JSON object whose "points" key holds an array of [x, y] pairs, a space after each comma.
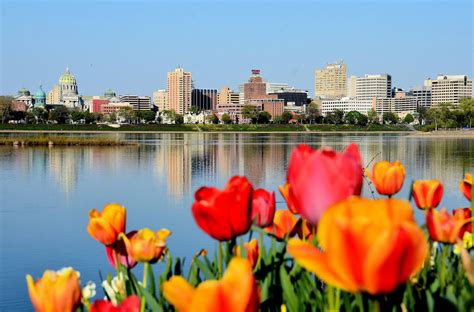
{"points": [[427, 193], [283, 224], [105, 226], [304, 230], [285, 193], [387, 177], [56, 291], [146, 245], [236, 291], [466, 186], [443, 227], [251, 248], [367, 246]]}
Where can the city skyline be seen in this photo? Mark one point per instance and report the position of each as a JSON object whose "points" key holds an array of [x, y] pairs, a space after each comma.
{"points": [[101, 48]]}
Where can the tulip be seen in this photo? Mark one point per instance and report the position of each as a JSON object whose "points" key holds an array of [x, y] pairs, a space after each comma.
{"points": [[146, 245], [467, 215], [427, 193], [224, 214], [466, 186], [443, 227], [367, 245], [131, 304], [387, 177], [252, 250], [58, 291], [119, 250], [304, 230], [105, 226], [319, 179], [236, 291], [285, 193], [283, 224], [263, 207]]}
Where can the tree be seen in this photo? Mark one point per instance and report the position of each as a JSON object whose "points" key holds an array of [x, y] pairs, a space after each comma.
{"points": [[286, 117], [59, 114], [41, 115], [112, 117], [433, 116], [390, 118], [408, 119], [226, 119], [30, 118], [250, 112], [5, 107], [313, 112], [373, 117], [178, 119], [194, 109], [422, 114], [212, 118], [77, 116], [126, 114], [335, 117], [264, 117], [467, 108], [147, 116]]}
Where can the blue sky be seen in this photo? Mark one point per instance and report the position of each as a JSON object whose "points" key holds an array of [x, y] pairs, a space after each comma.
{"points": [[130, 45]]}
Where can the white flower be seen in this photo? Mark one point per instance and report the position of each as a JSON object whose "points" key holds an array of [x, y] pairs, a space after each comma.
{"points": [[115, 287], [89, 290]]}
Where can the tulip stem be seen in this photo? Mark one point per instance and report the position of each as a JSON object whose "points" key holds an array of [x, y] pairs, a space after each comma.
{"points": [[146, 266], [260, 252], [219, 255], [360, 302]]}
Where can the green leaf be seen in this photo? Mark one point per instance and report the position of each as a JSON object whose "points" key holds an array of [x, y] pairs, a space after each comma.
{"points": [[288, 290], [151, 301], [208, 274], [429, 301], [151, 278]]}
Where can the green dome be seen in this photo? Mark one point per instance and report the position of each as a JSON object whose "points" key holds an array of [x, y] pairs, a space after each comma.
{"points": [[109, 93], [24, 91], [67, 78], [40, 94]]}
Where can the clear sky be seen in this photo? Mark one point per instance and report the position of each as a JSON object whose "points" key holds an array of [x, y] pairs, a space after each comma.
{"points": [[130, 45]]}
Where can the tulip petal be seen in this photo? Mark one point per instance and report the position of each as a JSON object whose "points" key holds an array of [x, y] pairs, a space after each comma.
{"points": [[178, 292]]}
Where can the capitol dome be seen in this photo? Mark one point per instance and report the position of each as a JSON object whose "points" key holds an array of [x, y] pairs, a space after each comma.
{"points": [[40, 94], [67, 78], [109, 93], [24, 91]]}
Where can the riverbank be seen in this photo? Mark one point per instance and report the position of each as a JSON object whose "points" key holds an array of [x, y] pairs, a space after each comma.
{"points": [[7, 128], [61, 141]]}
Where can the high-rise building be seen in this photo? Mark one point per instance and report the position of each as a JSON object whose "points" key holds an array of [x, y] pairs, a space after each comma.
{"points": [[204, 99], [255, 88], [330, 82], [423, 95], [351, 87], [137, 102], [371, 86], [54, 96], [227, 96], [160, 99], [449, 89], [179, 90]]}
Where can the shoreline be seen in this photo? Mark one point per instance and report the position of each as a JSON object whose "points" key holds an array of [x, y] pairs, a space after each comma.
{"points": [[419, 134]]}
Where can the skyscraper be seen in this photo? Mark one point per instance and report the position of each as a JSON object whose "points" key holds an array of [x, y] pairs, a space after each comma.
{"points": [[371, 86], [179, 90], [227, 96], [449, 89], [330, 82], [204, 99], [160, 99]]}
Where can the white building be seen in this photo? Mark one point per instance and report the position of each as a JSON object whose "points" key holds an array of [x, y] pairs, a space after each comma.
{"points": [[347, 105], [371, 86], [423, 95], [449, 89], [400, 105]]}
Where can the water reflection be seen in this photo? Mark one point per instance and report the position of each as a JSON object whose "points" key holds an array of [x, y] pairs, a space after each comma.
{"points": [[178, 159]]}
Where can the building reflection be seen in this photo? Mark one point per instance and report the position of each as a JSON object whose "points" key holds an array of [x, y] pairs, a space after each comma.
{"points": [[181, 162]]}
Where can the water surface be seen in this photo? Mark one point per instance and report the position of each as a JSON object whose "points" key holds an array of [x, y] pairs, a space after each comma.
{"points": [[46, 193]]}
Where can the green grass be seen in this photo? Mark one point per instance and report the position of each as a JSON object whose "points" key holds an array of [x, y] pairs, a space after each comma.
{"points": [[205, 128], [62, 141]]}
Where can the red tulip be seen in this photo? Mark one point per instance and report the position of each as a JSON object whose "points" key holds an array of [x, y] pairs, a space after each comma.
{"points": [[466, 186], [319, 179], [427, 193], [119, 250], [443, 227], [224, 214], [131, 304], [467, 215], [263, 207]]}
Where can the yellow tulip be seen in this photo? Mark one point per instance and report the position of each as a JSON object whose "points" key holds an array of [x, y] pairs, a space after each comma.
{"points": [[146, 245], [105, 226], [387, 177]]}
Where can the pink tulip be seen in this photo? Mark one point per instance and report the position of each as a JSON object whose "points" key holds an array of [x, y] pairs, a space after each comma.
{"points": [[321, 178], [263, 207]]}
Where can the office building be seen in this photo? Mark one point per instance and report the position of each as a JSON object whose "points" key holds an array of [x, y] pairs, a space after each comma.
{"points": [[371, 86], [179, 90], [255, 88], [449, 89], [292, 97], [137, 102], [273, 87], [330, 82], [227, 96], [54, 96], [160, 100], [422, 94], [204, 99], [347, 105], [400, 104]]}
